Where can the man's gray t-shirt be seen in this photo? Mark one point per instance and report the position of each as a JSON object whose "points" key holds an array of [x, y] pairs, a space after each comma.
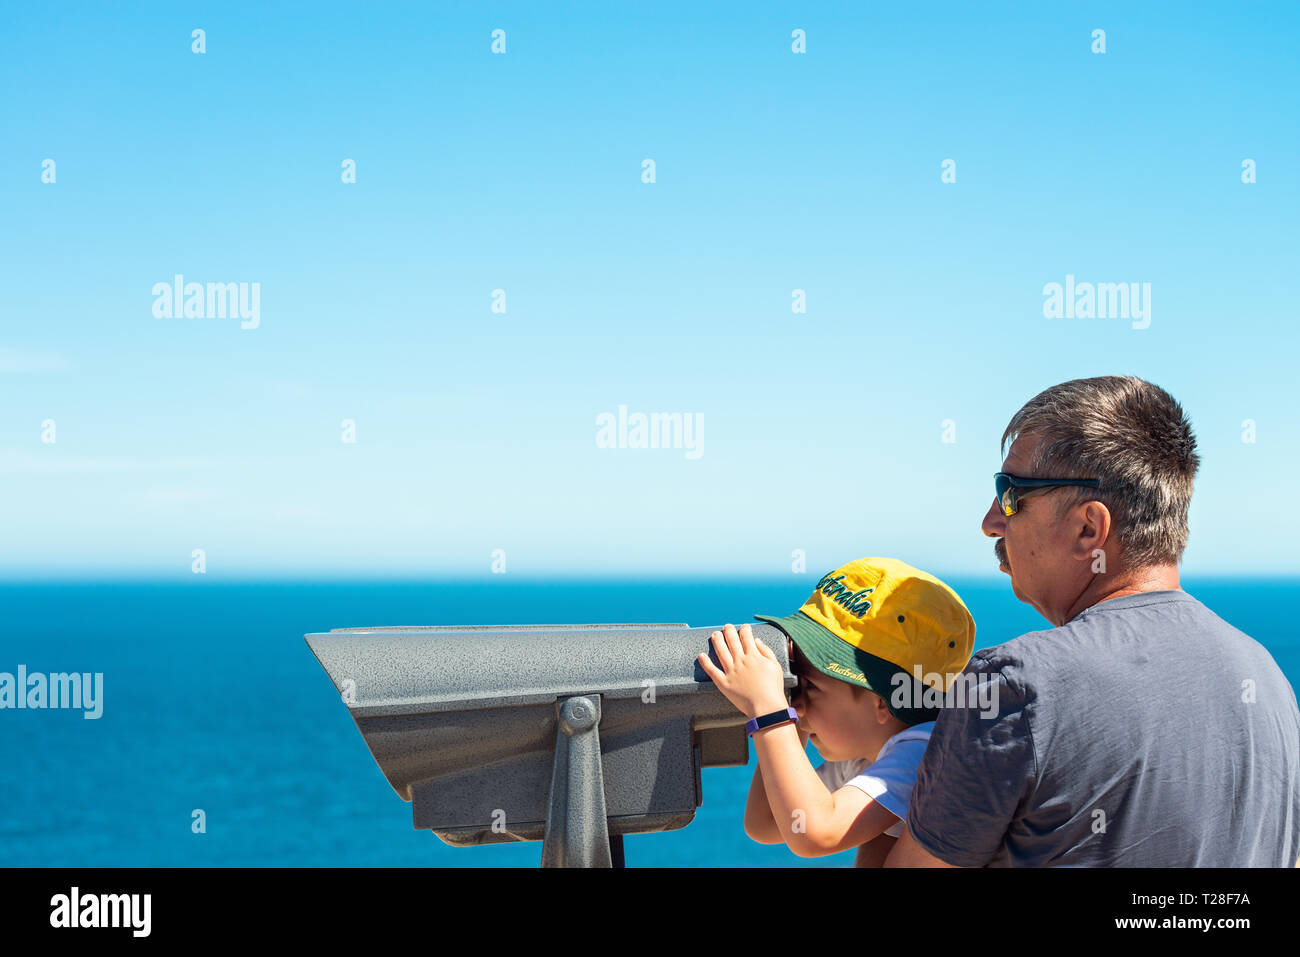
{"points": [[1147, 732]]}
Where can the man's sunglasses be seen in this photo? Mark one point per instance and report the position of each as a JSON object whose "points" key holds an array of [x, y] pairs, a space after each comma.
{"points": [[1012, 488]]}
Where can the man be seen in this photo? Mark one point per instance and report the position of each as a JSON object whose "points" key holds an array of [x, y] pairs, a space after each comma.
{"points": [[1142, 730]]}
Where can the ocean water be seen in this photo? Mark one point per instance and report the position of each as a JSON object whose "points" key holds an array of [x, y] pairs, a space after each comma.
{"points": [[212, 700]]}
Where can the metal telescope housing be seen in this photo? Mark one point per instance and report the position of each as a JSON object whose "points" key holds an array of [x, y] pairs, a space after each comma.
{"points": [[566, 734]]}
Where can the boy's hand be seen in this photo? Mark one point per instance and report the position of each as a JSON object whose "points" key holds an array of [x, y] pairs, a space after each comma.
{"points": [[750, 676]]}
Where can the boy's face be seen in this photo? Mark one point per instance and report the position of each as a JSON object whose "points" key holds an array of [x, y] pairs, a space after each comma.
{"points": [[841, 724]]}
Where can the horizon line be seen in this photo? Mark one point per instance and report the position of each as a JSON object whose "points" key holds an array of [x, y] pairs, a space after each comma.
{"points": [[463, 578]]}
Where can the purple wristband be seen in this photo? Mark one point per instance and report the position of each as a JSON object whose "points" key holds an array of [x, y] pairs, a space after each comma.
{"points": [[767, 720]]}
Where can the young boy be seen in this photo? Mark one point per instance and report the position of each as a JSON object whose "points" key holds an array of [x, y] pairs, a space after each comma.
{"points": [[855, 644]]}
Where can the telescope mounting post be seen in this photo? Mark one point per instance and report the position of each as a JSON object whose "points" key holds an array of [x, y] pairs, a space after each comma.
{"points": [[577, 830]]}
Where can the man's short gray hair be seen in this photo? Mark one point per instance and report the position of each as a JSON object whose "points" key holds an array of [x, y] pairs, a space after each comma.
{"points": [[1134, 438]]}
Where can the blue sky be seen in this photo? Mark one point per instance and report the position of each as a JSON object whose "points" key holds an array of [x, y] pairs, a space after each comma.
{"points": [[522, 171]]}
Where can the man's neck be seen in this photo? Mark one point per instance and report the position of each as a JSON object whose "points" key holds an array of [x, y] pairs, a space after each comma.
{"points": [[1126, 582]]}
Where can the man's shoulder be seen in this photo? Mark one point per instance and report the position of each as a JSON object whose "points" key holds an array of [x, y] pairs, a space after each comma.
{"points": [[1050, 647], [1118, 642], [1016, 658], [1095, 628]]}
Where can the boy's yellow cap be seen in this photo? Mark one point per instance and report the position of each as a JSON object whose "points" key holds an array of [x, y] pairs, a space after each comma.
{"points": [[872, 617]]}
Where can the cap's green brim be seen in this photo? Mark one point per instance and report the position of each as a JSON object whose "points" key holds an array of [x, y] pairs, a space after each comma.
{"points": [[833, 656]]}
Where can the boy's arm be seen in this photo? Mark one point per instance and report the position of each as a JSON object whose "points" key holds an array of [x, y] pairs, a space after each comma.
{"points": [[811, 820], [759, 823]]}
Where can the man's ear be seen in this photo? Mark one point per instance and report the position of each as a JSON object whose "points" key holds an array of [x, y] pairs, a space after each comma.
{"points": [[1092, 521]]}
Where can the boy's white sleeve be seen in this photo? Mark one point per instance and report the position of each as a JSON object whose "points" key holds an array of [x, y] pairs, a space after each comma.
{"points": [[833, 774], [889, 781]]}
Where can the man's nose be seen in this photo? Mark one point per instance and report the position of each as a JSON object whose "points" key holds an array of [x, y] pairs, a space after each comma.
{"points": [[995, 523]]}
